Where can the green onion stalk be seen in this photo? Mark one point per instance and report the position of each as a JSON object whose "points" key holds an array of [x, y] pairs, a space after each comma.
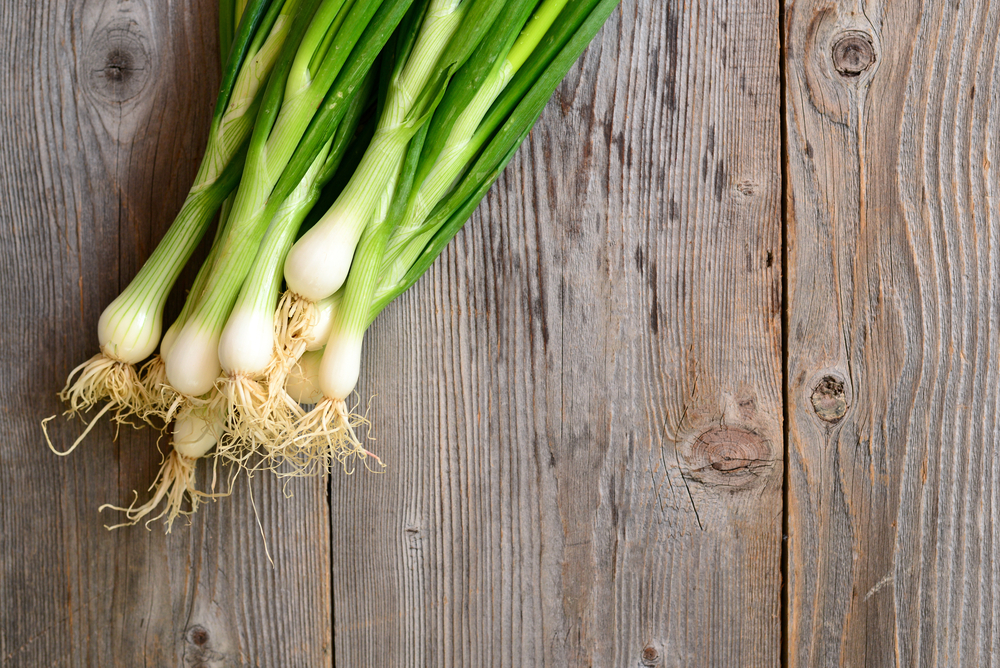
{"points": [[465, 135], [129, 328], [421, 37], [507, 124], [162, 400], [318, 263], [246, 345], [430, 48], [482, 119], [305, 71], [255, 411], [193, 434], [301, 325], [325, 61], [326, 422]]}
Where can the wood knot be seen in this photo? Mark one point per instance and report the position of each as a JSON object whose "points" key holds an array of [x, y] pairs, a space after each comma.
{"points": [[829, 400], [198, 650], [853, 53], [118, 66], [117, 61], [198, 635], [730, 457], [650, 656]]}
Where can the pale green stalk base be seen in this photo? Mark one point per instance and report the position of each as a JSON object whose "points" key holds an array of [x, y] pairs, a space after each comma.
{"points": [[408, 241], [461, 147]]}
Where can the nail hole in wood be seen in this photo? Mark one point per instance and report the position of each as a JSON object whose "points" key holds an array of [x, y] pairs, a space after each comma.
{"points": [[853, 53], [829, 400]]}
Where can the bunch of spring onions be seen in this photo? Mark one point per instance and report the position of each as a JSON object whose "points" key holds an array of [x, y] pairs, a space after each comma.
{"points": [[351, 141]]}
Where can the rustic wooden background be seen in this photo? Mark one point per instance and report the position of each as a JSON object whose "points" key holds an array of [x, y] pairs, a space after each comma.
{"points": [[740, 283]]}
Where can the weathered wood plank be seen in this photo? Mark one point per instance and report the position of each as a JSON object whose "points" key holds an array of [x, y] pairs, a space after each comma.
{"points": [[581, 404], [893, 386], [106, 108]]}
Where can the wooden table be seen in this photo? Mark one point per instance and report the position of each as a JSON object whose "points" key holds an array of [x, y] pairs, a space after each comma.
{"points": [[741, 282]]}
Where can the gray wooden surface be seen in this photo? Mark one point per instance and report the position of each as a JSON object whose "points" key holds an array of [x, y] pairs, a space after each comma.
{"points": [[893, 275], [583, 404], [106, 106], [580, 405]]}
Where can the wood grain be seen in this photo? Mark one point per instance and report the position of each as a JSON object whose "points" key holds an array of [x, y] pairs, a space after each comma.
{"points": [[581, 403], [892, 383], [106, 109]]}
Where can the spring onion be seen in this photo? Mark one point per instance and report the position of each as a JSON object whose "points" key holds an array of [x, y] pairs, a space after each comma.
{"points": [[193, 435], [129, 328], [247, 350], [373, 203], [408, 92], [305, 73], [463, 141], [318, 263]]}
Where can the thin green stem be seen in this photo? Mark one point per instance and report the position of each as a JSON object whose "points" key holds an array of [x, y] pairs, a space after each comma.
{"points": [[345, 221], [152, 284], [534, 31], [276, 136], [323, 27], [260, 290], [502, 131]]}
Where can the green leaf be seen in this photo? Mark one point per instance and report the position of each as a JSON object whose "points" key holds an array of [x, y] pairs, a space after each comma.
{"points": [[542, 61], [453, 212], [469, 79], [274, 93], [477, 21], [348, 164], [364, 274], [337, 99], [227, 26], [254, 20], [347, 128]]}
